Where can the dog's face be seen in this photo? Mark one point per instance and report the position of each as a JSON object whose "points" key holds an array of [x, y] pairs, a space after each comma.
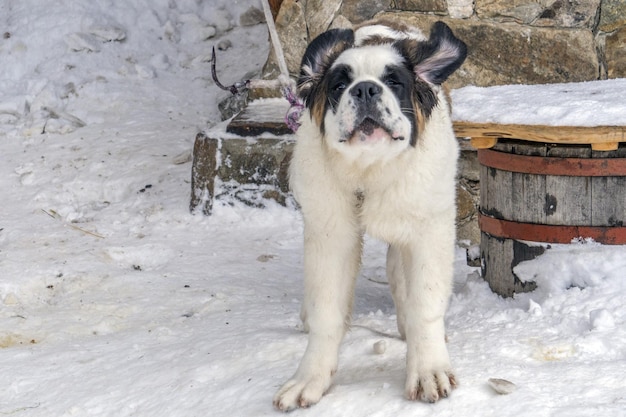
{"points": [[369, 97], [371, 91]]}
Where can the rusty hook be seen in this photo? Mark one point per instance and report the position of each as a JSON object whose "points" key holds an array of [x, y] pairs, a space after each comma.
{"points": [[236, 88]]}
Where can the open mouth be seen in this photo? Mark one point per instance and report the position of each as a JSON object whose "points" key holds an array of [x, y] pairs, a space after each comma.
{"points": [[368, 126], [371, 131]]}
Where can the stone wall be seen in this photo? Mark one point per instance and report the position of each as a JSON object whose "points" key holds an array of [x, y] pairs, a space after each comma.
{"points": [[510, 41]]}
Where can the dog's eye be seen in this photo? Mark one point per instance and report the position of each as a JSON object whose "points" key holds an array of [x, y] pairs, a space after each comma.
{"points": [[340, 86], [392, 82]]}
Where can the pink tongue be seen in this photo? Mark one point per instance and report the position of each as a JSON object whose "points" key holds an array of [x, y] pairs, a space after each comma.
{"points": [[370, 131], [375, 134]]}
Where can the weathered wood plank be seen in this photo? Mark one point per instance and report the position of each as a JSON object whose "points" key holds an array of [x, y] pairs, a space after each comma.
{"points": [[598, 135], [609, 194], [496, 195], [608, 146], [261, 116], [529, 190], [609, 201], [499, 257], [571, 196], [482, 143]]}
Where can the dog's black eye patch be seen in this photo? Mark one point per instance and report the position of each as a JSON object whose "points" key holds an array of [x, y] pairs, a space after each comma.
{"points": [[338, 80], [399, 79], [401, 82]]}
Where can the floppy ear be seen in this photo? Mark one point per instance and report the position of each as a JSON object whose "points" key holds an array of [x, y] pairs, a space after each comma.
{"points": [[437, 58], [319, 56]]}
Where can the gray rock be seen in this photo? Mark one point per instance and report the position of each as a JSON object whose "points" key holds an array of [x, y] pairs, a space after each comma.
{"points": [[615, 54], [431, 6], [359, 11], [554, 13], [252, 16], [319, 14], [341, 22], [612, 15], [526, 13], [292, 32], [513, 54], [232, 104], [570, 14], [502, 386], [224, 44], [460, 9]]}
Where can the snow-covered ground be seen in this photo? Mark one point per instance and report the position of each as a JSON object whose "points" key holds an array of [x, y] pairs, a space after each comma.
{"points": [[115, 301]]}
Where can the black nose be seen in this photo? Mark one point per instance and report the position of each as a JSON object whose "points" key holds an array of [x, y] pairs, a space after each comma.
{"points": [[366, 91]]}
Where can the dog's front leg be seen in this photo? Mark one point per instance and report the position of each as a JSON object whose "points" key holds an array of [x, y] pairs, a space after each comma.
{"points": [[331, 260], [428, 267]]}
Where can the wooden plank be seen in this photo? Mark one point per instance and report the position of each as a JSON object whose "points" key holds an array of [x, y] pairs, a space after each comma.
{"points": [[609, 201], [609, 194], [249, 127], [261, 116], [529, 190], [543, 133], [483, 143], [496, 260], [571, 196], [499, 257], [609, 146], [496, 192]]}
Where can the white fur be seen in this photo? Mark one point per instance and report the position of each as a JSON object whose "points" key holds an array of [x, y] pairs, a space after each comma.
{"points": [[366, 32], [409, 201]]}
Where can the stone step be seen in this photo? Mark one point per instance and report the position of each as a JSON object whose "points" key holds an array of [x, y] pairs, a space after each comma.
{"points": [[245, 159]]}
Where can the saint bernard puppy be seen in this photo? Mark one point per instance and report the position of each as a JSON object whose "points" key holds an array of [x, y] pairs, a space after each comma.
{"points": [[376, 153]]}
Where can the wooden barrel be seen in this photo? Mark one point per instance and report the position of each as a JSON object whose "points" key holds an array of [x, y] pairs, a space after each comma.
{"points": [[547, 193]]}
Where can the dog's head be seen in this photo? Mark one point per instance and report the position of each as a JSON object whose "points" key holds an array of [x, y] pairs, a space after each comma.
{"points": [[377, 85]]}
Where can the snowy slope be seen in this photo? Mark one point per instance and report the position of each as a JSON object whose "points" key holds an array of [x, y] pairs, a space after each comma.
{"points": [[115, 301]]}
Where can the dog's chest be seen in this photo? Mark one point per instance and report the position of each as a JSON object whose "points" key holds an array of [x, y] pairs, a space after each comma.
{"points": [[384, 213], [393, 205]]}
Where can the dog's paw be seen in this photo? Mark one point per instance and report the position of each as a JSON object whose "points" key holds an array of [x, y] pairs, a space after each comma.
{"points": [[301, 392], [430, 386]]}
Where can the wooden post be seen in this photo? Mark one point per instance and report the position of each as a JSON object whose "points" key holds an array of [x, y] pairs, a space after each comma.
{"points": [[275, 7]]}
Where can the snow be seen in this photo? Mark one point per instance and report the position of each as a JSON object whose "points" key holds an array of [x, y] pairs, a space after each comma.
{"points": [[116, 301], [592, 103]]}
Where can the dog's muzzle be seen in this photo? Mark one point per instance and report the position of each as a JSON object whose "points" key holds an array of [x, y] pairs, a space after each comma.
{"points": [[366, 96]]}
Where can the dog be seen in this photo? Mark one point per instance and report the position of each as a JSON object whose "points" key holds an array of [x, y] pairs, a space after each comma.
{"points": [[376, 154]]}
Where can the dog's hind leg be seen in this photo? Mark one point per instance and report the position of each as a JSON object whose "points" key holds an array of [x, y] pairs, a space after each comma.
{"points": [[397, 281]]}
